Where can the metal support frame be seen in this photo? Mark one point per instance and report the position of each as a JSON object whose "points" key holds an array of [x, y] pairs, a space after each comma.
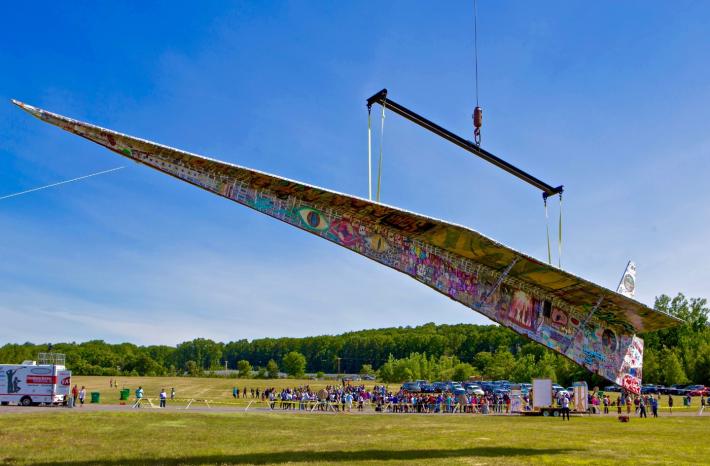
{"points": [[584, 323], [500, 280], [381, 98]]}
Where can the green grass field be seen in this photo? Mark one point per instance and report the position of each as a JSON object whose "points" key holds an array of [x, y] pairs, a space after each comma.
{"points": [[123, 436], [76, 437]]}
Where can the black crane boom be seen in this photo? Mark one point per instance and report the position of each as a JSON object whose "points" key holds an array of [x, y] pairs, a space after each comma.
{"points": [[381, 98]]}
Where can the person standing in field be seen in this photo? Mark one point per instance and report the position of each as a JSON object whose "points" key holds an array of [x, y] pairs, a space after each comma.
{"points": [[82, 395], [654, 406], [670, 404], [172, 393], [628, 404], [642, 407], [163, 398], [565, 406], [139, 397], [235, 393], [75, 395]]}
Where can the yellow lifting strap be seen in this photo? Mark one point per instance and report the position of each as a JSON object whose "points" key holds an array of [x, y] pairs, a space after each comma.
{"points": [[379, 165]]}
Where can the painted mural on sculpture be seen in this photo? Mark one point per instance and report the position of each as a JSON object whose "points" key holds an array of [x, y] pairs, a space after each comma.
{"points": [[545, 304]]}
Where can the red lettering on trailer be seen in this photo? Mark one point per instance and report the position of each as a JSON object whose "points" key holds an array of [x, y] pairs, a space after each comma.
{"points": [[41, 379]]}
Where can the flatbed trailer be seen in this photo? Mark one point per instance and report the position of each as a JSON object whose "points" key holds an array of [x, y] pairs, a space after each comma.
{"points": [[549, 411]]}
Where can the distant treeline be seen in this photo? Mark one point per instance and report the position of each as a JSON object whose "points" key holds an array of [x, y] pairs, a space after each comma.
{"points": [[430, 351]]}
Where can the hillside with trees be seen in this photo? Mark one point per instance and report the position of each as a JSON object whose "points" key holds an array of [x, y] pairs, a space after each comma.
{"points": [[677, 355]]}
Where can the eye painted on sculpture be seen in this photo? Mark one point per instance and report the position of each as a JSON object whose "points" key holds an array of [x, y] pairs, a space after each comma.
{"points": [[378, 243], [313, 219], [559, 317]]}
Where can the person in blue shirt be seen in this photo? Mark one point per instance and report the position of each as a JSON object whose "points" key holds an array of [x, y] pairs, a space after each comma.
{"points": [[139, 397]]}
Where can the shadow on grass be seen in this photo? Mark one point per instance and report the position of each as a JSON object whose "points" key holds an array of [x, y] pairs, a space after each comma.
{"points": [[330, 456]]}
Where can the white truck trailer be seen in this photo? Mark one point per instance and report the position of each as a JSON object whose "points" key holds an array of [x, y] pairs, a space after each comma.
{"points": [[31, 383]]}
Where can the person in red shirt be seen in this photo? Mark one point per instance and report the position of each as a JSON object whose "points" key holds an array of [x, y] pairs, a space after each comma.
{"points": [[75, 395]]}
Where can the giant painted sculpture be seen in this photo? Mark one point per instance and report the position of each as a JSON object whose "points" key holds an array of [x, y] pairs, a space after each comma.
{"points": [[545, 304]]}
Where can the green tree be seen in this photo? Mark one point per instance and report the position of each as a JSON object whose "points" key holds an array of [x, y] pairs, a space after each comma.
{"points": [[671, 368], [244, 368], [193, 369], [294, 364], [272, 369], [462, 371], [503, 364], [367, 369]]}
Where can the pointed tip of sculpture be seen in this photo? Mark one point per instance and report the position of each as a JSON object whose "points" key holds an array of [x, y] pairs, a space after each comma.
{"points": [[28, 108]]}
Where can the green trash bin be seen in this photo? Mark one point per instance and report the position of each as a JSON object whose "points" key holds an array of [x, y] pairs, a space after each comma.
{"points": [[95, 397], [125, 394]]}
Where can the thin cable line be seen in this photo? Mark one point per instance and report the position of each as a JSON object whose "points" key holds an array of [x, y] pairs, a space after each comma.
{"points": [[60, 183], [475, 42]]}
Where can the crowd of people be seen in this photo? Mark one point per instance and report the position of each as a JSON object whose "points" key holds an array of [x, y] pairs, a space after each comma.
{"points": [[349, 397]]}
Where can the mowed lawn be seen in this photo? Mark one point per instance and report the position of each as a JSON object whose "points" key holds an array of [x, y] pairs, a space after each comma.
{"points": [[133, 437], [217, 390]]}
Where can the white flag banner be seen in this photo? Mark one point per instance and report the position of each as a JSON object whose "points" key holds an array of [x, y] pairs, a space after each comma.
{"points": [[627, 286]]}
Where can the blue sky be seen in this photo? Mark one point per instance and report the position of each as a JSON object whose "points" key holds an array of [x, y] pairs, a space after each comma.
{"points": [[610, 99]]}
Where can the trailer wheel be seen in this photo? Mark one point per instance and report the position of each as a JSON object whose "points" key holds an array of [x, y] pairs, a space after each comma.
{"points": [[546, 413], [556, 413], [26, 401]]}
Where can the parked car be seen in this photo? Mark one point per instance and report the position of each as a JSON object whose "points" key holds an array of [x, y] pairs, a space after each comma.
{"points": [[450, 385], [677, 389], [612, 388], [697, 390], [473, 389], [412, 387], [427, 387], [458, 390], [488, 386], [439, 386], [369, 377]]}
